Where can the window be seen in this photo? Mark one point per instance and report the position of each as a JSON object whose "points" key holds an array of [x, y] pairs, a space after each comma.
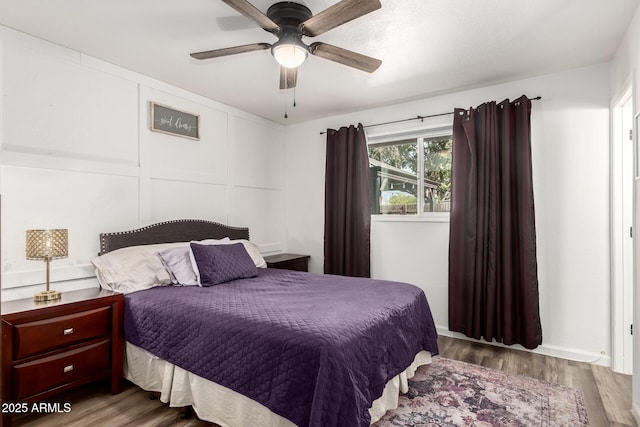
{"points": [[411, 173], [437, 173]]}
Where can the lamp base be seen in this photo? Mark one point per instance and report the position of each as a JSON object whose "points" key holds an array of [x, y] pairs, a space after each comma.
{"points": [[47, 296]]}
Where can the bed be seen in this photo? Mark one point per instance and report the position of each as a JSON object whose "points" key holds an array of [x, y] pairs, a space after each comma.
{"points": [[247, 345]]}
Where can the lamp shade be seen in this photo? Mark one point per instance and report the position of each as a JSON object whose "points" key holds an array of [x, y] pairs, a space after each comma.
{"points": [[47, 244], [289, 55]]}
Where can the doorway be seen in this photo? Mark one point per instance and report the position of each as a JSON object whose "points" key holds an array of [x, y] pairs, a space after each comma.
{"points": [[623, 173]]}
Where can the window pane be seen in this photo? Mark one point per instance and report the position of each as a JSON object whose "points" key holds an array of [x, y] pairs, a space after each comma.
{"points": [[393, 169], [437, 174]]}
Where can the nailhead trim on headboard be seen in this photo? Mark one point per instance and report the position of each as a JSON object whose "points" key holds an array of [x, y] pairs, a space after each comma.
{"points": [[179, 230]]}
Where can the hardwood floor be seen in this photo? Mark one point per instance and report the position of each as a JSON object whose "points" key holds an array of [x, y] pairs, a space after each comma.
{"points": [[607, 394], [93, 406]]}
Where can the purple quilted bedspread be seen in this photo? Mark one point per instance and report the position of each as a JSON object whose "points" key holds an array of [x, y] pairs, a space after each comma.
{"points": [[315, 349]]}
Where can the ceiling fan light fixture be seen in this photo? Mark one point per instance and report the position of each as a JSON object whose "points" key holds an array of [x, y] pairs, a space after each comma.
{"points": [[289, 55], [290, 21]]}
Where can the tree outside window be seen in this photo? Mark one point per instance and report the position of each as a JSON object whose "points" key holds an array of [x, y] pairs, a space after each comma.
{"points": [[409, 173], [437, 169]]}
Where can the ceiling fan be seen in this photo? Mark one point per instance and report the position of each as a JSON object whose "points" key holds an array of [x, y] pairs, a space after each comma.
{"points": [[290, 21]]}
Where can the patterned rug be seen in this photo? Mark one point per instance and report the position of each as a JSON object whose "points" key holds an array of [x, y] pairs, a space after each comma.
{"points": [[452, 393]]}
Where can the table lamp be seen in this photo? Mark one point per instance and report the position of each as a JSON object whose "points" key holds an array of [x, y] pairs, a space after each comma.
{"points": [[47, 245]]}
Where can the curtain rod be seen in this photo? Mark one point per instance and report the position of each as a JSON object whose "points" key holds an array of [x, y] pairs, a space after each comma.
{"points": [[421, 118]]}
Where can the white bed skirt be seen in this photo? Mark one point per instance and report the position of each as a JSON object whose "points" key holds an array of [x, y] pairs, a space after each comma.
{"points": [[215, 403]]}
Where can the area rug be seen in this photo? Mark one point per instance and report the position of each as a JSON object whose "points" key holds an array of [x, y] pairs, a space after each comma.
{"points": [[452, 393]]}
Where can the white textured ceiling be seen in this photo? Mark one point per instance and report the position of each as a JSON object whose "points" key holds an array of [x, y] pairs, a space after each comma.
{"points": [[427, 46]]}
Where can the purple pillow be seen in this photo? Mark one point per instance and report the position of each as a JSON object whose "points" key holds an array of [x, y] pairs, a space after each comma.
{"points": [[222, 263]]}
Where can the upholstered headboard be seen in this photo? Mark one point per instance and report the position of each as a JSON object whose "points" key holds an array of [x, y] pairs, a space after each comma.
{"points": [[181, 230]]}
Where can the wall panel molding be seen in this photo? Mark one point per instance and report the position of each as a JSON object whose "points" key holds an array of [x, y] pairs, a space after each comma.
{"points": [[76, 152], [37, 276], [60, 160]]}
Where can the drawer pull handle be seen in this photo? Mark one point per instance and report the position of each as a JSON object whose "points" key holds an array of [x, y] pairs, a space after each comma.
{"points": [[68, 368], [67, 331]]}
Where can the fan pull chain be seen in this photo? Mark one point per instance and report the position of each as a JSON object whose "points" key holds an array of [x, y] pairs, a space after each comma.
{"points": [[286, 115]]}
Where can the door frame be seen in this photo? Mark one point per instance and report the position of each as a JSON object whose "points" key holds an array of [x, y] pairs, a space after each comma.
{"points": [[624, 170]]}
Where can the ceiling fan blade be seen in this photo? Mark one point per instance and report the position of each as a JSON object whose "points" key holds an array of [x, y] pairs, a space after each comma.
{"points": [[250, 11], [345, 57], [288, 77], [338, 14], [230, 51]]}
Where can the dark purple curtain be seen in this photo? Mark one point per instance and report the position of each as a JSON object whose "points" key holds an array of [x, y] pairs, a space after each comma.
{"points": [[347, 219], [493, 279]]}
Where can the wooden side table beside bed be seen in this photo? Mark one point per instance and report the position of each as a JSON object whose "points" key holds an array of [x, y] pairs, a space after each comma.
{"points": [[288, 262], [51, 347]]}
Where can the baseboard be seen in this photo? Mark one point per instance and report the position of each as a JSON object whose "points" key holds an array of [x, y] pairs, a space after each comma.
{"points": [[546, 350]]}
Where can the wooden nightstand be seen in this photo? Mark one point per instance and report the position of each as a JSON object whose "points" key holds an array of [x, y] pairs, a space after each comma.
{"points": [[48, 348], [288, 262]]}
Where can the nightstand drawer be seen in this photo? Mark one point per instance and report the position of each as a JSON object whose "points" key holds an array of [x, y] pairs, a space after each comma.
{"points": [[88, 362], [37, 337]]}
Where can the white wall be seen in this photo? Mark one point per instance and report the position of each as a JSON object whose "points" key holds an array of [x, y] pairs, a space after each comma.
{"points": [[77, 153], [570, 133], [625, 68]]}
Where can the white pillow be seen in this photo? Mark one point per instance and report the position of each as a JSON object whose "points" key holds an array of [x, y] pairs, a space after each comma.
{"points": [[134, 268], [141, 267], [101, 280], [254, 253]]}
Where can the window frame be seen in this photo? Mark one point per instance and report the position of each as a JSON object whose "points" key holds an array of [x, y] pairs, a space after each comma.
{"points": [[420, 135]]}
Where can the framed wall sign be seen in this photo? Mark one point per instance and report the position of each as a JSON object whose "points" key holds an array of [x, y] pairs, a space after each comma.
{"points": [[174, 122]]}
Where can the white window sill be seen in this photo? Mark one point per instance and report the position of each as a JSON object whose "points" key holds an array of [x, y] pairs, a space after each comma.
{"points": [[433, 217]]}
